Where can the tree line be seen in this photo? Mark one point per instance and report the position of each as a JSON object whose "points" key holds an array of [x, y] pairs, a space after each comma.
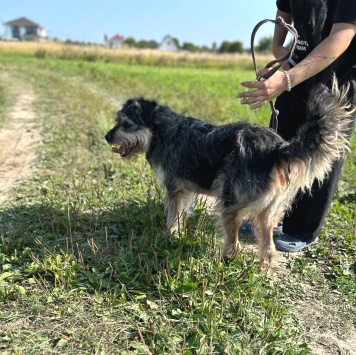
{"points": [[264, 45]]}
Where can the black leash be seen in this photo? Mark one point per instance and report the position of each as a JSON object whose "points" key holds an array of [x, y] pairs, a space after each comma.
{"points": [[279, 61]]}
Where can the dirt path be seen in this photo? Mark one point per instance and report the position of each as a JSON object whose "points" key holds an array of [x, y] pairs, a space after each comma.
{"points": [[18, 141]]}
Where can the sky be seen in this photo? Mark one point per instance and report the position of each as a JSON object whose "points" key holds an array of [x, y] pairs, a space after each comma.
{"points": [[197, 21]]}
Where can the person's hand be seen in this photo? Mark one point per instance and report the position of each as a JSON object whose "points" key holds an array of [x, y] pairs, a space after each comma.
{"points": [[263, 91]]}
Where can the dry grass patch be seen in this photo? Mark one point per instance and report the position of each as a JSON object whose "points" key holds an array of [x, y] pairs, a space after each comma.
{"points": [[56, 50]]}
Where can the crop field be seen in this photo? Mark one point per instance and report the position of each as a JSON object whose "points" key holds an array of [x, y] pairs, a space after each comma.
{"points": [[86, 266]]}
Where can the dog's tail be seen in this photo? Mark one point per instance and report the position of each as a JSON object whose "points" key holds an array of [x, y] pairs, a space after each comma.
{"points": [[322, 139]]}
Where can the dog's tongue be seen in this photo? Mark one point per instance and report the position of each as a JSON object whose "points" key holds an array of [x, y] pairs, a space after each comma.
{"points": [[120, 150]]}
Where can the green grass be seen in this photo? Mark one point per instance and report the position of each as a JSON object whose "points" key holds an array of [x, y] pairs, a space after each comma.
{"points": [[86, 266], [2, 104]]}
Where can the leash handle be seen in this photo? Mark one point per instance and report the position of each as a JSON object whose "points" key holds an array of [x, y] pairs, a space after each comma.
{"points": [[279, 21]]}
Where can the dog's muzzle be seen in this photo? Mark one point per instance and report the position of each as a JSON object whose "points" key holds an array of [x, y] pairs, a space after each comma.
{"points": [[122, 148]]}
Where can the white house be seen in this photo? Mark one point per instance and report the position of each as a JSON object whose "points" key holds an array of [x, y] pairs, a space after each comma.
{"points": [[168, 44], [115, 41], [23, 29]]}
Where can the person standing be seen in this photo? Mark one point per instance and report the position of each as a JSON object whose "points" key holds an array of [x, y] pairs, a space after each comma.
{"points": [[326, 45]]}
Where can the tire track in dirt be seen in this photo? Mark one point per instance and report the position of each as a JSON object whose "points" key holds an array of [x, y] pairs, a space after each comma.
{"points": [[18, 141]]}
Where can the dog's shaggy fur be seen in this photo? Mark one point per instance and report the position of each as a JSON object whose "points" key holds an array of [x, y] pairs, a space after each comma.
{"points": [[250, 169]]}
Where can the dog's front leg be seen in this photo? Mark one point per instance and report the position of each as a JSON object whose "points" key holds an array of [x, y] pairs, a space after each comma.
{"points": [[176, 205], [231, 222]]}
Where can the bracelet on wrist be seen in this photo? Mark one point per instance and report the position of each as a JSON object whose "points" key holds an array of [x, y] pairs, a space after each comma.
{"points": [[289, 84]]}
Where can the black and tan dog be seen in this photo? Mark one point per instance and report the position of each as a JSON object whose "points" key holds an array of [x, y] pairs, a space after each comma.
{"points": [[250, 169]]}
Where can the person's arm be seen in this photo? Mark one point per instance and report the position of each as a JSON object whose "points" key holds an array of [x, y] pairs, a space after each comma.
{"points": [[280, 34], [322, 56]]}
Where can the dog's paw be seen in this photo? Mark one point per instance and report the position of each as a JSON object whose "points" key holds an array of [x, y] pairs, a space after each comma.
{"points": [[166, 232], [266, 267], [267, 260], [177, 227], [174, 229], [231, 251]]}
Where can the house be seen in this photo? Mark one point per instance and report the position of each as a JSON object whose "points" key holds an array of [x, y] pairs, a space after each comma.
{"points": [[115, 41], [24, 29], [168, 44]]}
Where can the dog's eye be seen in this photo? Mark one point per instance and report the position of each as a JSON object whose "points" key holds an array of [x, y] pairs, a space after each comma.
{"points": [[127, 124]]}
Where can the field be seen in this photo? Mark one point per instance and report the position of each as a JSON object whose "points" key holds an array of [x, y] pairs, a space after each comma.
{"points": [[86, 266]]}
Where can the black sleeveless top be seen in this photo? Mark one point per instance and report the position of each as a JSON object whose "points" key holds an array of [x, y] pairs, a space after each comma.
{"points": [[313, 20]]}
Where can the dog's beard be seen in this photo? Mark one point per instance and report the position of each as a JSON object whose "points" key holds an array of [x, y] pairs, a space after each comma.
{"points": [[128, 144]]}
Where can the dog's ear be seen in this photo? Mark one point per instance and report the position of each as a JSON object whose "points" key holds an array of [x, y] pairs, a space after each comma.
{"points": [[147, 109], [132, 111], [139, 111]]}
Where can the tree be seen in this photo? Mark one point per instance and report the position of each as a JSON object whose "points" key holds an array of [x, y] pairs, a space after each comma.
{"points": [[236, 47], [205, 48], [190, 47], [130, 42], [231, 47], [224, 47], [147, 44], [265, 44]]}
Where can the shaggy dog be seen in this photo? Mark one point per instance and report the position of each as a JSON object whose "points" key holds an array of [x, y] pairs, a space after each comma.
{"points": [[249, 169]]}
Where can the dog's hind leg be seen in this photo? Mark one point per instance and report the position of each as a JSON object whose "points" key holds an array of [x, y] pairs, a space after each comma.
{"points": [[231, 222], [264, 225], [176, 206]]}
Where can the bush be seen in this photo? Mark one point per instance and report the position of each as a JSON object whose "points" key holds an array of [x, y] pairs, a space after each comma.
{"points": [[231, 47]]}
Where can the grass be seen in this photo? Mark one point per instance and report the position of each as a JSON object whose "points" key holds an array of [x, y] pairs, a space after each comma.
{"points": [[86, 266], [2, 104]]}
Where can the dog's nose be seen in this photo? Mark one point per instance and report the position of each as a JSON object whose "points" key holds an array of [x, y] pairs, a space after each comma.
{"points": [[108, 136]]}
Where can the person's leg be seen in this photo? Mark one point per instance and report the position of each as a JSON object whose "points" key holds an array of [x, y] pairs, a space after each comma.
{"points": [[309, 210], [303, 223]]}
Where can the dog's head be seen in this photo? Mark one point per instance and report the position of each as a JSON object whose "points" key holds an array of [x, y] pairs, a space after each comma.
{"points": [[132, 133]]}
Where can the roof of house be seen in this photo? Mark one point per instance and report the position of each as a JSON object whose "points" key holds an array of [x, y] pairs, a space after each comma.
{"points": [[117, 36], [22, 21], [169, 39]]}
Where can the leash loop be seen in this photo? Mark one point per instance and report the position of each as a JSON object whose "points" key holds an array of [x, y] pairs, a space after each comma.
{"points": [[275, 64]]}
